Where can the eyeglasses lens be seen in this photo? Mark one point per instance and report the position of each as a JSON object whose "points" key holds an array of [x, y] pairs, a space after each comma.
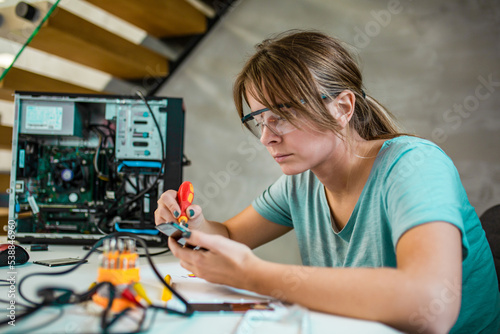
{"points": [[277, 124]]}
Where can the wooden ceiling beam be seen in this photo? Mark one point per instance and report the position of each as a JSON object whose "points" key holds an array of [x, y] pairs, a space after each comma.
{"points": [[69, 36], [159, 18], [18, 79]]}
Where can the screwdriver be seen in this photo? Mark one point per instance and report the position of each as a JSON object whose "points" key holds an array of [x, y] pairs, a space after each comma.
{"points": [[185, 197], [166, 294]]}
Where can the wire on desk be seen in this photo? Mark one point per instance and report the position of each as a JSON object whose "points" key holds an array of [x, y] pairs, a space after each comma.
{"points": [[4, 282], [140, 255], [55, 296], [17, 303], [37, 327]]}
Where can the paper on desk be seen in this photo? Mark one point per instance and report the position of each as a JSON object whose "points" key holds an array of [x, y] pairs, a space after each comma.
{"points": [[194, 289]]}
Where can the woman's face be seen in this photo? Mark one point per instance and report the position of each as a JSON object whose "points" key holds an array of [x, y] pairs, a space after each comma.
{"points": [[302, 149]]}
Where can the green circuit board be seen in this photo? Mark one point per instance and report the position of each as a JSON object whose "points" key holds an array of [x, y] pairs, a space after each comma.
{"points": [[64, 185]]}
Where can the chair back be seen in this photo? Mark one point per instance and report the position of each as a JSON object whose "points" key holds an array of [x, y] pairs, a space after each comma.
{"points": [[490, 220]]}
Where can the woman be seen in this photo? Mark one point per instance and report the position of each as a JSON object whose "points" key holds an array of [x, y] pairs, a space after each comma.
{"points": [[384, 226]]}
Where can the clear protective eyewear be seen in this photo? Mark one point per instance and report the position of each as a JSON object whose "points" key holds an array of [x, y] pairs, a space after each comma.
{"points": [[257, 120]]}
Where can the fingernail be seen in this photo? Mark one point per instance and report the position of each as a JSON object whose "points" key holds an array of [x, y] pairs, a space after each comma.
{"points": [[191, 213], [176, 214], [186, 234]]}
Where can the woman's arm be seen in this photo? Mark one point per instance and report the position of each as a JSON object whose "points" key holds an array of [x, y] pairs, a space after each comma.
{"points": [[247, 227], [421, 295], [253, 230]]}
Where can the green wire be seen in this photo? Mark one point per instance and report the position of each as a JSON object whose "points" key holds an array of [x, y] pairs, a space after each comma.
{"points": [[28, 41]]}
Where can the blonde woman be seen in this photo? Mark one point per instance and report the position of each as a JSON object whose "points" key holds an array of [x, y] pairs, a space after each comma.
{"points": [[383, 223]]}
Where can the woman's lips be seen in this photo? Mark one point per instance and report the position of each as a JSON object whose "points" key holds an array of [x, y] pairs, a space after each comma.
{"points": [[281, 157]]}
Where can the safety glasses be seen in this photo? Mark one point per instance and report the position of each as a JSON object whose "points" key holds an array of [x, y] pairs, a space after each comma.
{"points": [[257, 120]]}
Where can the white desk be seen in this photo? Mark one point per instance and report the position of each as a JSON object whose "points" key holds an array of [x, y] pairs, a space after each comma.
{"points": [[80, 319]]}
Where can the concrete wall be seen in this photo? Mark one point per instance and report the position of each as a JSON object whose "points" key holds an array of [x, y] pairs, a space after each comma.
{"points": [[434, 64]]}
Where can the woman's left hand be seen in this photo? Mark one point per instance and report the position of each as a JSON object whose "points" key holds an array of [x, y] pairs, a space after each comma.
{"points": [[223, 261]]}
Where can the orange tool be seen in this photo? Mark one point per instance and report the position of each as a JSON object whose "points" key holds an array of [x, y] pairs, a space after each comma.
{"points": [[185, 197]]}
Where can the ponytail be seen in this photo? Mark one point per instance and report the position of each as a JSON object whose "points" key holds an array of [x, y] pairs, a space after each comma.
{"points": [[371, 120]]}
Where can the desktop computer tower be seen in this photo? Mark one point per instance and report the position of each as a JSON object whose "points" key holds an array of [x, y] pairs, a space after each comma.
{"points": [[87, 165]]}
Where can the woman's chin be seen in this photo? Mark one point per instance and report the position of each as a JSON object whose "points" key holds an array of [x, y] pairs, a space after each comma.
{"points": [[291, 170]]}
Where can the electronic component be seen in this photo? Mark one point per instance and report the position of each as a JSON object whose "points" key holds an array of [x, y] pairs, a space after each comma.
{"points": [[176, 232], [137, 137], [84, 164], [50, 118]]}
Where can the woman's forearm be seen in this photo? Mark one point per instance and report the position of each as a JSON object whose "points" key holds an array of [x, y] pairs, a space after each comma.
{"points": [[385, 295], [213, 227]]}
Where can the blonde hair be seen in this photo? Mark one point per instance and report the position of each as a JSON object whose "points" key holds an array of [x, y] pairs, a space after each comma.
{"points": [[301, 68]]}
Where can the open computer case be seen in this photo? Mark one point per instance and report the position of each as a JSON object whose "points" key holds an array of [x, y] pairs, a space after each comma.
{"points": [[87, 165]]}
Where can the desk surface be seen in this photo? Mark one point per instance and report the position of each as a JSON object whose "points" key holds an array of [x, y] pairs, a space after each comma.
{"points": [[85, 319]]}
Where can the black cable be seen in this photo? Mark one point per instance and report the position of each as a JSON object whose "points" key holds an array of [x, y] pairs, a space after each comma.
{"points": [[189, 310], [140, 255], [4, 282], [154, 254], [157, 127], [17, 303], [67, 296], [127, 179], [19, 316], [44, 324]]}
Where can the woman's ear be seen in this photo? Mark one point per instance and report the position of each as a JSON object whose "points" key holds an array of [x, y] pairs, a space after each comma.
{"points": [[343, 107]]}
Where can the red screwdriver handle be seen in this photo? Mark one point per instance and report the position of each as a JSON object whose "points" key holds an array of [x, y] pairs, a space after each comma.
{"points": [[185, 197]]}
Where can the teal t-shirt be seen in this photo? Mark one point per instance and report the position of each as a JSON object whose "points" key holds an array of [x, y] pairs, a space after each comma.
{"points": [[412, 182]]}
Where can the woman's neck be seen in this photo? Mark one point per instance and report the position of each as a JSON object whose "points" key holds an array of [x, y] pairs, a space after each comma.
{"points": [[348, 170]]}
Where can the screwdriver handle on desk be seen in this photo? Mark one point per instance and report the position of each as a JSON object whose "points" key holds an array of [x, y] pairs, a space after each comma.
{"points": [[185, 197], [166, 294]]}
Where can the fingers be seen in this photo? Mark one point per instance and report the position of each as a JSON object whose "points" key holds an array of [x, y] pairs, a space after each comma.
{"points": [[169, 210], [198, 238], [167, 206], [193, 211], [189, 259], [195, 216], [212, 242], [176, 248], [223, 261], [182, 253]]}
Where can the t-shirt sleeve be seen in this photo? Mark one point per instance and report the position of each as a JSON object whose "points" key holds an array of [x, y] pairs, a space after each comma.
{"points": [[273, 204], [424, 186]]}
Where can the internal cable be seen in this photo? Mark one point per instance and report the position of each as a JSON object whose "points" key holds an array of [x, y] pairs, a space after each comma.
{"points": [[96, 157]]}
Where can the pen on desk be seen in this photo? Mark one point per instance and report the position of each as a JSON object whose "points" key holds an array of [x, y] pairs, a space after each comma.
{"points": [[185, 197]]}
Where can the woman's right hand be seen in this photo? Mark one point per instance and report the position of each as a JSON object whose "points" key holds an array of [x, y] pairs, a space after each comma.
{"points": [[169, 210]]}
